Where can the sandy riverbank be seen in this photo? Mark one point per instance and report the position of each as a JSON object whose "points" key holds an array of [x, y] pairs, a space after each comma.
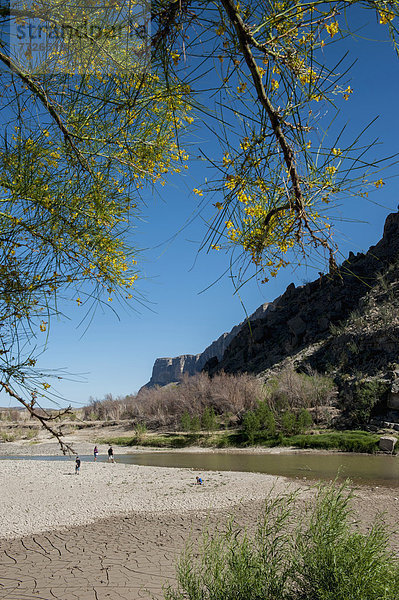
{"points": [[115, 531], [46, 495]]}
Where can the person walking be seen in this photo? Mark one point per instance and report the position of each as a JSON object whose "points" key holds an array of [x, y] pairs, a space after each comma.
{"points": [[77, 465], [111, 454], [95, 453]]}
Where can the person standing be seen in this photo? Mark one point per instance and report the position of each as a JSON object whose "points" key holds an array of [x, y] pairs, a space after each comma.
{"points": [[77, 465], [95, 453], [111, 454]]}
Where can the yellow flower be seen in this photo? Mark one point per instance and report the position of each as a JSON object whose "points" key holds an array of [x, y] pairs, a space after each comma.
{"points": [[198, 192], [386, 16], [347, 92], [219, 205], [275, 84], [332, 28], [229, 224], [79, 302], [337, 151], [379, 183], [331, 170], [43, 326]]}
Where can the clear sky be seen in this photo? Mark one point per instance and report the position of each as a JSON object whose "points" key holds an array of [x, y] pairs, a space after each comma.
{"points": [[115, 353]]}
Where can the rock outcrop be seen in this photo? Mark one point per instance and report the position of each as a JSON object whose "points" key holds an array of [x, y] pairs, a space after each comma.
{"points": [[168, 370], [345, 323], [349, 319]]}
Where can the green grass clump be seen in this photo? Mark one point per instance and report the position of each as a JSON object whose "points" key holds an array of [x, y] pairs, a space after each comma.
{"points": [[347, 441], [294, 554]]}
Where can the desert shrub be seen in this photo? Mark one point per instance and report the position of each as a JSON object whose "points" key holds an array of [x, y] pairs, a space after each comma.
{"points": [[251, 425], [224, 394], [262, 424], [267, 421], [140, 430], [316, 557], [195, 424], [365, 395], [208, 419], [7, 436], [185, 421], [292, 390], [304, 420], [288, 422]]}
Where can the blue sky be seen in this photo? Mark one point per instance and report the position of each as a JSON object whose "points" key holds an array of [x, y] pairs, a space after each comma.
{"points": [[115, 354]]}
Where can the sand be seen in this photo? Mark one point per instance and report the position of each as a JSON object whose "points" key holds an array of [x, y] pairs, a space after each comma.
{"points": [[46, 495], [115, 531]]}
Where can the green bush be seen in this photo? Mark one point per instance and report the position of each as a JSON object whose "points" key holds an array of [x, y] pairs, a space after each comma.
{"points": [[185, 421], [288, 422], [251, 425], [316, 557], [266, 418], [366, 394], [195, 424], [140, 430], [208, 420]]}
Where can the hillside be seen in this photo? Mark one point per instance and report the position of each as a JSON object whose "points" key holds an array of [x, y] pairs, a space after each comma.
{"points": [[345, 324], [346, 321]]}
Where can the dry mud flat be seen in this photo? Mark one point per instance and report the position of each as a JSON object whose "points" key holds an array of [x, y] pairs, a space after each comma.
{"points": [[114, 531]]}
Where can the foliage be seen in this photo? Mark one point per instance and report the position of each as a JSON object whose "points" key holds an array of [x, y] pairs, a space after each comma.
{"points": [[85, 131], [292, 390], [251, 425], [140, 431], [315, 557], [185, 421], [82, 134], [365, 395], [347, 441], [275, 178], [175, 406], [208, 419]]}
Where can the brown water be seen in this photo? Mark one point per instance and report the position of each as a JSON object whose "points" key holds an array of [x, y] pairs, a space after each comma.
{"points": [[364, 469], [360, 468]]}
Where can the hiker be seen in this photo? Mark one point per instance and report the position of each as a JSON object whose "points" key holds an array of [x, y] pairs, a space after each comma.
{"points": [[198, 481], [95, 453], [110, 454], [77, 465]]}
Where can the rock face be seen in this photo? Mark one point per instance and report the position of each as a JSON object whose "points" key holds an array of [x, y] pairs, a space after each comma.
{"points": [[169, 370], [346, 323], [348, 320]]}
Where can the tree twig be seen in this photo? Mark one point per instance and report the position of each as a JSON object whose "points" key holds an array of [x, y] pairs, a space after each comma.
{"points": [[43, 419]]}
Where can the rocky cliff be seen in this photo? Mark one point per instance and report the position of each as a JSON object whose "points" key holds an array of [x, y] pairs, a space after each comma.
{"points": [[168, 370], [343, 323]]}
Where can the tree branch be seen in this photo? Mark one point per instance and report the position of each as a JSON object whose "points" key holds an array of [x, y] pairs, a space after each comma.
{"points": [[245, 40], [43, 420], [35, 88]]}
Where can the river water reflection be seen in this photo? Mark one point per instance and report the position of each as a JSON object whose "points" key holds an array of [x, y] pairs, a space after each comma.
{"points": [[364, 469]]}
